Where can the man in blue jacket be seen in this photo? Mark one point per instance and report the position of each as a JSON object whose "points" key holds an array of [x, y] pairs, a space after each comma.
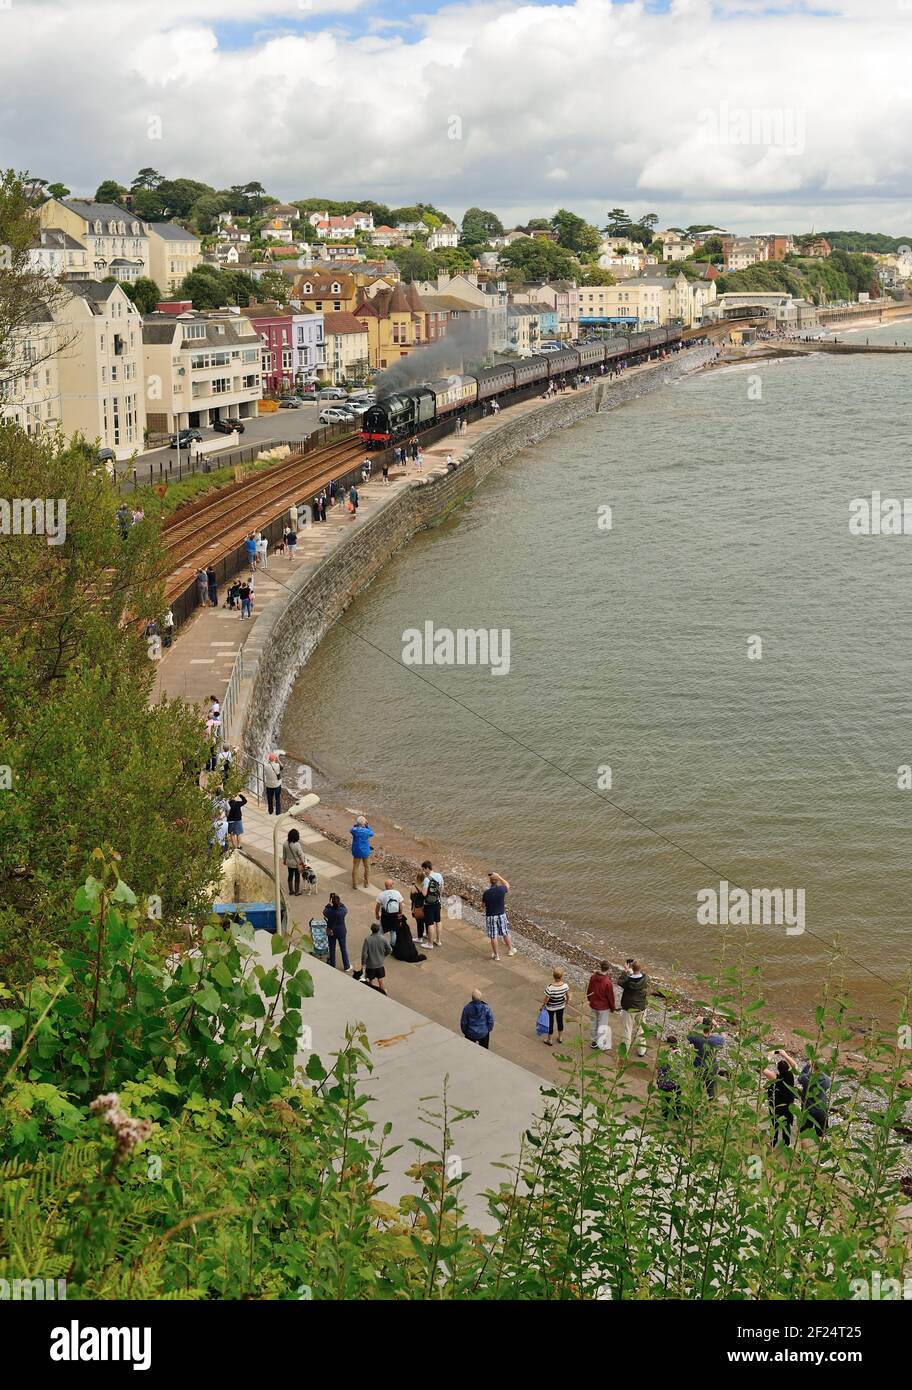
{"points": [[362, 835], [477, 1022]]}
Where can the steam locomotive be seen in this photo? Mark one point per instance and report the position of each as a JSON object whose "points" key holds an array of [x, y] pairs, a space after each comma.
{"points": [[404, 413]]}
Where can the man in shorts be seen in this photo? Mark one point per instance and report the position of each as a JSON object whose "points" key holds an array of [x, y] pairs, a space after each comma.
{"points": [[373, 953], [432, 887], [498, 928], [387, 909]]}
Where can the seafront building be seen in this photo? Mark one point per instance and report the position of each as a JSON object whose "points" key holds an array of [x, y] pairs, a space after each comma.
{"points": [[200, 367]]}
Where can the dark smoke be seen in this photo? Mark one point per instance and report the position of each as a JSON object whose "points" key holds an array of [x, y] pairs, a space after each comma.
{"points": [[463, 347]]}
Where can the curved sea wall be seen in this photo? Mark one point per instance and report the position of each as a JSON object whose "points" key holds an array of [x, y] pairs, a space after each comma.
{"points": [[289, 630]]}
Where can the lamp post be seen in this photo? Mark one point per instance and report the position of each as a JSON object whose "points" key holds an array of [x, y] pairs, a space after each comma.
{"points": [[307, 801]]}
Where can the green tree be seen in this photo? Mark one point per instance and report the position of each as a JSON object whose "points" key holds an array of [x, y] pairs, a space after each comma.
{"points": [[58, 190], [595, 275], [149, 205], [479, 226], [710, 250], [453, 259], [273, 285], [538, 224], [204, 213], [179, 195], [534, 258], [574, 233], [618, 222], [414, 262], [147, 178], [109, 191], [144, 293], [25, 293]]}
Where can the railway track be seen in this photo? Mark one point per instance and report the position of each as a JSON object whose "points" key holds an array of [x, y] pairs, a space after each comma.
{"points": [[198, 539]]}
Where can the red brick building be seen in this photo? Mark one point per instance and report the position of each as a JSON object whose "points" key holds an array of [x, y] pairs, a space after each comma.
{"points": [[273, 324]]}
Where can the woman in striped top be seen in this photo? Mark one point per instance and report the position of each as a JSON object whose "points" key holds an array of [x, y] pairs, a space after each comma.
{"points": [[557, 997]]}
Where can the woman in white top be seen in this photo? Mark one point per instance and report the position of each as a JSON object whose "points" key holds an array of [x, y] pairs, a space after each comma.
{"points": [[557, 997]]}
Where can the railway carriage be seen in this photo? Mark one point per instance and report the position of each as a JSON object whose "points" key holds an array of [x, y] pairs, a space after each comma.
{"points": [[591, 354], [454, 393], [560, 363], [495, 381]]}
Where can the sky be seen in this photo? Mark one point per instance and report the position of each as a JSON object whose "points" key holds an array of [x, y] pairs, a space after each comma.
{"points": [[751, 115]]}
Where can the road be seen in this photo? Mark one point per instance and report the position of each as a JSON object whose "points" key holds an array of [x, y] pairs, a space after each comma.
{"points": [[282, 425]]}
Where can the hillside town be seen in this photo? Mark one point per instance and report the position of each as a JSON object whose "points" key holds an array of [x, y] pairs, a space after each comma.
{"points": [[162, 322]]}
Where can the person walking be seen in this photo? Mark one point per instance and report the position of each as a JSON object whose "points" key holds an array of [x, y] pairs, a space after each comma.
{"points": [[706, 1045], [334, 915], [361, 836], [419, 458], [291, 543], [387, 909], [373, 954], [416, 898], [634, 988], [202, 587], [272, 781], [354, 499], [432, 888], [477, 1021], [294, 860], [250, 548], [212, 586], [385, 470], [235, 823], [600, 994], [557, 997], [494, 898], [245, 594]]}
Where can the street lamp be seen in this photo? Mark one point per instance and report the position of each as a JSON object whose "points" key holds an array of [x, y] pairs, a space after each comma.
{"points": [[311, 799]]}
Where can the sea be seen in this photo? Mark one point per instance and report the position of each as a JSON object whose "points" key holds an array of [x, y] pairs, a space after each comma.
{"points": [[693, 683]]}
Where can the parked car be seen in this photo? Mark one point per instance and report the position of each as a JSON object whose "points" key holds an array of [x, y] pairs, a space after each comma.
{"points": [[228, 426], [357, 407], [290, 403], [331, 393], [186, 438], [335, 415], [105, 461]]}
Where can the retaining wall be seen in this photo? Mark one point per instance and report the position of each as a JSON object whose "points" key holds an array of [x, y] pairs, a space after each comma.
{"points": [[288, 631]]}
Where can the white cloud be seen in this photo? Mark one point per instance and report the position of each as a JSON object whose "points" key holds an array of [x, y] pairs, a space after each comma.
{"points": [[588, 103]]}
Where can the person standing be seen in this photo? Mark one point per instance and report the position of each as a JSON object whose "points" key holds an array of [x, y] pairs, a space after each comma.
{"points": [[385, 470], [245, 594], [272, 780], [477, 1021], [354, 500], [387, 909], [212, 586], [600, 994], [417, 902], [262, 550], [814, 1086], [250, 547], [780, 1093], [294, 861], [668, 1078], [432, 888], [634, 988], [169, 628], [291, 543], [361, 836], [494, 898], [373, 954], [202, 587], [334, 915], [235, 823], [706, 1045], [557, 997]]}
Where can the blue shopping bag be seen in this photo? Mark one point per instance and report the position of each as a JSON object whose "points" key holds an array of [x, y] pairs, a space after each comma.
{"points": [[541, 1023]]}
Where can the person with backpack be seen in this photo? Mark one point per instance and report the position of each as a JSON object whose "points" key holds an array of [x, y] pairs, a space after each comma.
{"points": [[707, 1045], [432, 888], [477, 1021], [387, 910], [634, 989]]}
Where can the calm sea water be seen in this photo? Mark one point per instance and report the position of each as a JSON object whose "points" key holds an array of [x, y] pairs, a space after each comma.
{"points": [[629, 649]]}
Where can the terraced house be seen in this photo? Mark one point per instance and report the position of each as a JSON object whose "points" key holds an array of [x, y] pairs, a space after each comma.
{"points": [[173, 253], [116, 240], [100, 367], [200, 367]]}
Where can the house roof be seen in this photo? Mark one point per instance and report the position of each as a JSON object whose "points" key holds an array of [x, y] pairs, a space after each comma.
{"points": [[222, 330], [104, 212], [342, 323], [170, 231], [59, 240], [322, 282], [93, 290], [449, 302], [157, 333]]}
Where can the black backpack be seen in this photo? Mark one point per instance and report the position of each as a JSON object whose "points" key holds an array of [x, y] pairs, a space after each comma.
{"points": [[433, 890]]}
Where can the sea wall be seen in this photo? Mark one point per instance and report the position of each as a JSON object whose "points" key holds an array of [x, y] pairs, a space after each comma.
{"points": [[289, 630]]}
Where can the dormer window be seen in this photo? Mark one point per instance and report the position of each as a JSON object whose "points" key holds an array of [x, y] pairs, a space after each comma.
{"points": [[135, 228], [98, 229], [336, 287]]}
